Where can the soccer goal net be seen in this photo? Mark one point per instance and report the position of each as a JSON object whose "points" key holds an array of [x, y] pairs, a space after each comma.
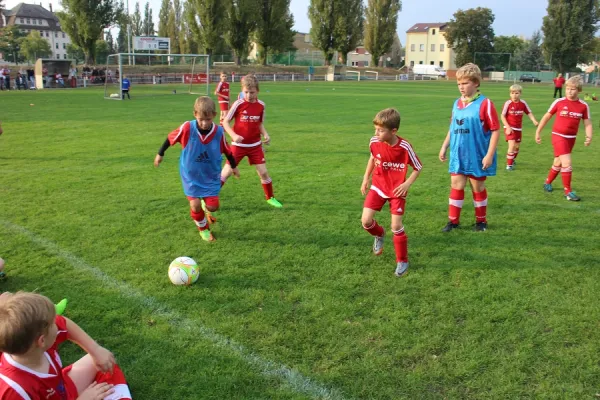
{"points": [[156, 74]]}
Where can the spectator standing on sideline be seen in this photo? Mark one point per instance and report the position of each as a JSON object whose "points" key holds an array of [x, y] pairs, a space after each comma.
{"points": [[73, 76], [6, 73], [559, 81]]}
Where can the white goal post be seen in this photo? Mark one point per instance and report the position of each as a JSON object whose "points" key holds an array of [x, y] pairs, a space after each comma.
{"points": [[374, 73], [354, 72], [152, 74]]}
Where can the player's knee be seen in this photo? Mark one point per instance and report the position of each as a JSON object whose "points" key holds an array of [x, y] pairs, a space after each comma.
{"points": [[212, 208], [366, 221], [196, 207], [396, 226]]}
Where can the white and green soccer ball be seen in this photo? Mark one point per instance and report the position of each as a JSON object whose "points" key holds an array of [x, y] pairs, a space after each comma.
{"points": [[114, 95], [183, 271]]}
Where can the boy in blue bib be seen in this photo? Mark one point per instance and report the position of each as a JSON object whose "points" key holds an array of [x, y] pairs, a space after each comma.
{"points": [[200, 162], [472, 139]]}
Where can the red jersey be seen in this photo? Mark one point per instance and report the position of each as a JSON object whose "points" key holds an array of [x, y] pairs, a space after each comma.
{"points": [[487, 114], [248, 118], [17, 382], [568, 115], [222, 92], [513, 112], [391, 165], [559, 82], [182, 135]]}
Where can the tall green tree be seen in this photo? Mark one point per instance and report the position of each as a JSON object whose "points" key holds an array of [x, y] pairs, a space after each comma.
{"points": [[110, 42], [84, 22], [136, 21], [273, 27], [469, 32], [532, 56], [569, 28], [102, 51], [381, 18], [349, 27], [148, 23], [122, 37], [75, 53], [241, 20], [173, 31], [163, 18], [206, 19], [191, 43], [508, 44], [322, 15], [33, 46], [10, 43]]}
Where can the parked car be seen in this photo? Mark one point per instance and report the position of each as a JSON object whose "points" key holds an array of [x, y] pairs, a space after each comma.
{"points": [[529, 78]]}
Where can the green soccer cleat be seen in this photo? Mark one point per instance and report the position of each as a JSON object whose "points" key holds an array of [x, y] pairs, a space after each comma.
{"points": [[206, 235], [274, 202], [61, 306]]}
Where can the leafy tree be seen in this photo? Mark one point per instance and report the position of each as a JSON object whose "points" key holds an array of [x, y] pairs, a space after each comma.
{"points": [[241, 20], [110, 42], [323, 23], [75, 52], [205, 19], [508, 44], [380, 27], [469, 32], [273, 28], [191, 43], [84, 22], [349, 27], [532, 56], [569, 29], [173, 31], [34, 46], [163, 18], [122, 38], [10, 42], [102, 51], [136, 21], [148, 23]]}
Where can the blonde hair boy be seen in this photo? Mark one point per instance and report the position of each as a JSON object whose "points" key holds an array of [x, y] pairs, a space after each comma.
{"points": [[576, 82], [512, 118], [204, 106], [389, 118], [250, 82], [469, 71], [516, 88]]}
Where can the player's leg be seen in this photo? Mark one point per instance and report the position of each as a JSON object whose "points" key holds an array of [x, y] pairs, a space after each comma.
{"points": [[558, 144], [257, 158], [480, 201], [373, 203], [197, 214], [455, 202], [566, 172], [226, 172], [399, 236], [83, 375], [516, 150], [209, 205], [510, 155]]}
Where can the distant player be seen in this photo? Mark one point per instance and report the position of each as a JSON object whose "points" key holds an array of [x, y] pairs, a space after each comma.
{"points": [[387, 168], [30, 367], [203, 144], [246, 135], [472, 138], [125, 86], [512, 118], [222, 93], [569, 113]]}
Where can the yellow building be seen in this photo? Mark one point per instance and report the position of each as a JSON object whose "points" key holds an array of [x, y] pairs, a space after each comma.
{"points": [[426, 44]]}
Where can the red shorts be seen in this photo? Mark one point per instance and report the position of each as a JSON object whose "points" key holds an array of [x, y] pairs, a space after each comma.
{"points": [[513, 135], [255, 154], [375, 202], [562, 145], [224, 106], [211, 201], [476, 178]]}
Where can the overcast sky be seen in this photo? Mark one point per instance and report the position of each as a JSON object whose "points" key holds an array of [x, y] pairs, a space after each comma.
{"points": [[513, 17]]}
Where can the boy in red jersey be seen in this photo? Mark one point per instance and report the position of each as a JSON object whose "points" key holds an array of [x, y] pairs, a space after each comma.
{"points": [[569, 113], [388, 164], [512, 118], [30, 367], [246, 134], [222, 93]]}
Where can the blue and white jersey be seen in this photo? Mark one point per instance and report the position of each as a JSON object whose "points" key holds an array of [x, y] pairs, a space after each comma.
{"points": [[469, 141], [200, 162]]}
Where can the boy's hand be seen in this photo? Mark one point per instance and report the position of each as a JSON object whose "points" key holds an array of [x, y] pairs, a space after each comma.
{"points": [[402, 190], [157, 160], [487, 161], [364, 186], [535, 123], [508, 131], [266, 138], [103, 358], [236, 172], [96, 391], [588, 140], [442, 155], [538, 138], [235, 138]]}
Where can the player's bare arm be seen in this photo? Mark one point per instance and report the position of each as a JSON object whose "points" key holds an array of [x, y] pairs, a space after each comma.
{"points": [[541, 125], [489, 157], [234, 136], [532, 118], [507, 129], [157, 160], [402, 190], [368, 172], [264, 134], [587, 123], [442, 155], [102, 357]]}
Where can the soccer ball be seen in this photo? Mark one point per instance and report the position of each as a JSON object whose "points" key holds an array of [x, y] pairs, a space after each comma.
{"points": [[183, 271], [114, 95]]}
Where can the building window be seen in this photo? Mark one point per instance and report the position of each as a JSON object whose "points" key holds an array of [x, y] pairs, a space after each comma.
{"points": [[63, 35], [55, 34], [412, 47], [433, 31], [57, 46], [41, 22], [412, 63], [420, 62], [431, 63], [441, 47], [421, 47], [441, 64], [433, 47], [47, 34], [64, 45], [28, 21], [21, 20], [35, 21], [64, 56]]}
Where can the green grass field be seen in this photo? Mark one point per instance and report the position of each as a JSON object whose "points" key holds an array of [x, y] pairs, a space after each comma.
{"points": [[291, 303]]}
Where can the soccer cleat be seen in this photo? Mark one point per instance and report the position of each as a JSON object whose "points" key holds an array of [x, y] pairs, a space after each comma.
{"points": [[378, 245], [548, 187], [509, 168], [480, 226], [401, 268], [571, 196], [450, 226], [206, 235], [2, 275], [274, 202], [61, 306]]}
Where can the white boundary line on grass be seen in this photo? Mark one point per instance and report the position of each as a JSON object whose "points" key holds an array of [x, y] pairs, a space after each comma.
{"points": [[291, 378]]}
